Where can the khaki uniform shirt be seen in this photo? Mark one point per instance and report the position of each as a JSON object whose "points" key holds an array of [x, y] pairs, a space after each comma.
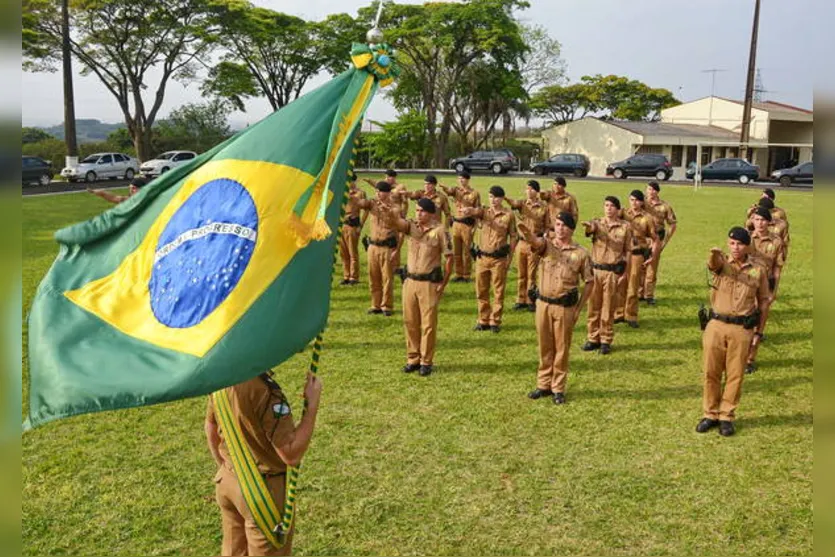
{"points": [[643, 227], [464, 199], [737, 289], [380, 229], [352, 207], [776, 212], [426, 247], [534, 215], [440, 200], [265, 419], [610, 242], [565, 203], [400, 198], [769, 249], [496, 226], [662, 213], [778, 227], [562, 268]]}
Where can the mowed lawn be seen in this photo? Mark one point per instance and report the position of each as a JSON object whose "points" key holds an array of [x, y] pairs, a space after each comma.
{"points": [[462, 462]]}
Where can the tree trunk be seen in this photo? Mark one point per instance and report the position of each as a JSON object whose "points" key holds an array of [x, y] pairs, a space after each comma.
{"points": [[142, 142], [443, 139], [69, 100]]}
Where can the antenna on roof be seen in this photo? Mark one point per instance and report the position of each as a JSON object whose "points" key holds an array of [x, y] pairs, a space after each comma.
{"points": [[712, 72], [758, 87]]}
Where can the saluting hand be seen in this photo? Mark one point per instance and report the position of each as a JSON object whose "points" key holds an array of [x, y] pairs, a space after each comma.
{"points": [[312, 390]]}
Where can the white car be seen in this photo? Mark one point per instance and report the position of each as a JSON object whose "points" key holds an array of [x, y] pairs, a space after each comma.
{"points": [[102, 165], [165, 162]]}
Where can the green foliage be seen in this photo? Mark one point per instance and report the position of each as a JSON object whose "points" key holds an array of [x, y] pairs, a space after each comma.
{"points": [[232, 82], [543, 65], [195, 127], [121, 141], [461, 462], [402, 143], [49, 149], [87, 130], [32, 135], [562, 103], [55, 150]]}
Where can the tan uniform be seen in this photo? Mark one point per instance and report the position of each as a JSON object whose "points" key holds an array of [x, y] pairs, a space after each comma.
{"points": [[350, 238], [400, 200], [498, 230], [533, 214], [440, 200], [462, 229], [427, 248], [663, 215], [776, 212], [561, 270], [266, 423], [737, 291], [778, 227], [610, 246], [643, 233], [380, 269], [560, 203]]}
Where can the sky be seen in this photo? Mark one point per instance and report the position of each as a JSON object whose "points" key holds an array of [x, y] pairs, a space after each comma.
{"points": [[664, 43]]}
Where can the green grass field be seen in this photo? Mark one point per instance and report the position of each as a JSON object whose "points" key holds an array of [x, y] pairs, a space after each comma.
{"points": [[463, 462]]}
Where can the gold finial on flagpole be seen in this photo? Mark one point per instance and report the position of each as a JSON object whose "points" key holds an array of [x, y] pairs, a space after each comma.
{"points": [[374, 35]]}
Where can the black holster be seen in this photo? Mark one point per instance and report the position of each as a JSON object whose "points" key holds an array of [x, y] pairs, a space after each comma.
{"points": [[365, 242], [533, 293], [661, 233], [704, 316], [475, 252], [353, 222], [752, 320]]}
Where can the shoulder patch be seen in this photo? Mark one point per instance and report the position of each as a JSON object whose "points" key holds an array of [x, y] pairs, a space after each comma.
{"points": [[281, 409]]}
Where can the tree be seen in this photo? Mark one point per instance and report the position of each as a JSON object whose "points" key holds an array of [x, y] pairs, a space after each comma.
{"points": [[626, 99], [33, 135], [198, 127], [120, 41], [69, 96], [558, 104], [402, 142], [542, 65], [268, 52]]}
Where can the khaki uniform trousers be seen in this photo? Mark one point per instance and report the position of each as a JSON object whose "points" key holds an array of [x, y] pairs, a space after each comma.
{"points": [[420, 320], [725, 350], [527, 261], [601, 308], [241, 535], [554, 328], [627, 302], [381, 277], [349, 250], [647, 289], [491, 271], [462, 239]]}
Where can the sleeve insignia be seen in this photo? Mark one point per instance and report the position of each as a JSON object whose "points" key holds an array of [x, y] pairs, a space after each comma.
{"points": [[281, 409]]}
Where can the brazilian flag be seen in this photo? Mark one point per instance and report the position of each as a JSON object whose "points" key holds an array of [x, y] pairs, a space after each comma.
{"points": [[210, 274]]}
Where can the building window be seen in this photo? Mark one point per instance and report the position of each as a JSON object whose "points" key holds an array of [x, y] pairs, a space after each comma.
{"points": [[650, 150], [706, 153], [691, 155], [733, 152], [675, 158], [720, 152]]}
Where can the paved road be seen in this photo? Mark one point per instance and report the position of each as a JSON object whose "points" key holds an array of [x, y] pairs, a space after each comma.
{"points": [[64, 187]]}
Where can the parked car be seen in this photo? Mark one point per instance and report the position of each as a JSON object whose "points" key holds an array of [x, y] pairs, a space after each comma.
{"points": [[164, 162], [802, 173], [643, 164], [102, 165], [567, 163], [35, 170], [727, 169], [498, 161]]}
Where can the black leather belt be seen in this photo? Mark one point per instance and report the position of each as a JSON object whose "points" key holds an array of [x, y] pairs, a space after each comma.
{"points": [[353, 222], [500, 253], [642, 251], [746, 321], [469, 221], [436, 275], [566, 300], [387, 243], [617, 268]]}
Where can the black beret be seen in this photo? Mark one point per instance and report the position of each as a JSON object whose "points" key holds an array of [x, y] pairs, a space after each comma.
{"points": [[567, 219], [391, 172], [764, 213], [383, 186], [352, 177], [560, 179], [766, 202], [464, 174], [534, 184], [430, 179], [654, 185], [637, 194], [138, 182], [613, 200], [426, 204], [497, 191], [769, 192], [740, 235]]}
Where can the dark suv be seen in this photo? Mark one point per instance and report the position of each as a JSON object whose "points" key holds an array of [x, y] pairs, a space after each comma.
{"points": [[567, 163], [643, 164], [797, 174], [498, 161], [36, 170]]}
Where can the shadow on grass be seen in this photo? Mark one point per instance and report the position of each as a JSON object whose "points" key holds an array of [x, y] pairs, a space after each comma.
{"points": [[793, 420], [689, 391]]}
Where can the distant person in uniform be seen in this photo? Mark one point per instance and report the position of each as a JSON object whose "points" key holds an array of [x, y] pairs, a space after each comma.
{"points": [[428, 270], [533, 214], [611, 238], [644, 247], [663, 214], [350, 239], [776, 211], [560, 200], [564, 264], [398, 198], [463, 226], [497, 241], [738, 300], [136, 184], [382, 245], [430, 191], [778, 225], [266, 422]]}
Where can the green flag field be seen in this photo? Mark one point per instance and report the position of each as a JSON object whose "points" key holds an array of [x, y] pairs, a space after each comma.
{"points": [[462, 462]]}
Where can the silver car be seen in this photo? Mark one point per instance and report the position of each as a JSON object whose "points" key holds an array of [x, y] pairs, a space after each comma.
{"points": [[102, 165]]}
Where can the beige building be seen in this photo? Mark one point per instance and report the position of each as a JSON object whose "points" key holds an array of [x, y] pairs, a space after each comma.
{"points": [[709, 121]]}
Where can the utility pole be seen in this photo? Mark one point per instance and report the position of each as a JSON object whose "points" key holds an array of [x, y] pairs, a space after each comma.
{"points": [[712, 72], [745, 133], [69, 99]]}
